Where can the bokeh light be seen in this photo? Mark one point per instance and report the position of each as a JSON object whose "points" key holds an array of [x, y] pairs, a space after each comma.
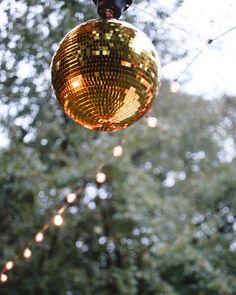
{"points": [[27, 253], [71, 198], [9, 265], [117, 151], [152, 122], [58, 220], [174, 87], [3, 277], [39, 237], [100, 177]]}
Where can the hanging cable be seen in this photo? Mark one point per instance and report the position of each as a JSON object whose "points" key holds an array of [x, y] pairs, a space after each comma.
{"points": [[175, 86], [224, 33]]}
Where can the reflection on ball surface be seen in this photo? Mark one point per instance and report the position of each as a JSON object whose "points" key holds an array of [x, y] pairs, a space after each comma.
{"points": [[105, 74]]}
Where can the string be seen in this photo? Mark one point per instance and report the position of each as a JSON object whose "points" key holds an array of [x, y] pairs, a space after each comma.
{"points": [[164, 21], [189, 64], [209, 41], [10, 264], [224, 33], [223, 50], [26, 252], [101, 165]]}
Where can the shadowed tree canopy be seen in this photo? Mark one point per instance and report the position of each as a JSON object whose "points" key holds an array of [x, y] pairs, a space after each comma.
{"points": [[165, 220]]}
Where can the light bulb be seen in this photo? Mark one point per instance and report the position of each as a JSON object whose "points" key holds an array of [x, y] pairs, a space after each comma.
{"points": [[39, 237], [58, 220], [3, 277], [9, 265], [100, 177], [71, 198], [117, 151], [152, 122], [174, 86], [206, 44], [27, 253]]}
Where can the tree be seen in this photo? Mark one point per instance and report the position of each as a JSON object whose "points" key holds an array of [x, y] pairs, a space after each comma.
{"points": [[164, 221]]}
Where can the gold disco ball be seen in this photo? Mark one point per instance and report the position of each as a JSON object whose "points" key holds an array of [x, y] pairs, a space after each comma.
{"points": [[105, 74]]}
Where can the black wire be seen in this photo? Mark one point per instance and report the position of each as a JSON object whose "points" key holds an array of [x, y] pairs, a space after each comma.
{"points": [[190, 63], [164, 21], [223, 50], [224, 33], [209, 41]]}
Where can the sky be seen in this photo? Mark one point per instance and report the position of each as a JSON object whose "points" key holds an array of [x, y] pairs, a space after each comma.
{"points": [[213, 73]]}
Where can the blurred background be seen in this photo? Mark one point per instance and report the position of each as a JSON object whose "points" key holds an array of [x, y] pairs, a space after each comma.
{"points": [[164, 222]]}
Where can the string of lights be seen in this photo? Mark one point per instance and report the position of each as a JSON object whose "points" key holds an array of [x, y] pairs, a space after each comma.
{"points": [[57, 219], [224, 33], [26, 253], [175, 85], [223, 50], [208, 42], [100, 177], [155, 18]]}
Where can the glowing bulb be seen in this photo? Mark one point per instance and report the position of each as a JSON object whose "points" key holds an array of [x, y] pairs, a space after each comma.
{"points": [[117, 151], [3, 277], [152, 122], [174, 86], [71, 198], [58, 220], [27, 253], [101, 177], [39, 237], [9, 265]]}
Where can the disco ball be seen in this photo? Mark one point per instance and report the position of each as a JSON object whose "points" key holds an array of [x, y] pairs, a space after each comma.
{"points": [[105, 74]]}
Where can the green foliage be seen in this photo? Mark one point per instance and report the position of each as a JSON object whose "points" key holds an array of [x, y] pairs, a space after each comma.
{"points": [[164, 223]]}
